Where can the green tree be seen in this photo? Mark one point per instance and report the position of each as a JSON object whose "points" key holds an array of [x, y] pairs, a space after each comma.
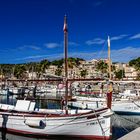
{"points": [[83, 73], [120, 74], [58, 63], [102, 66], [71, 62], [135, 63], [30, 67], [44, 64], [38, 70], [58, 71], [6, 70], [138, 76], [74, 62], [20, 71]]}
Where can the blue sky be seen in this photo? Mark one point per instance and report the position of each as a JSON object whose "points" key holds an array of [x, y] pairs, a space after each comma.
{"points": [[32, 30]]}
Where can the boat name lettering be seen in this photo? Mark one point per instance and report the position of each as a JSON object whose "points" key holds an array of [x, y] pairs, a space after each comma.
{"points": [[132, 108], [96, 122]]}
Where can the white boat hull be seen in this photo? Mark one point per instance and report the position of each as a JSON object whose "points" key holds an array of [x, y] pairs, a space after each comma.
{"points": [[79, 125], [126, 108], [122, 107]]}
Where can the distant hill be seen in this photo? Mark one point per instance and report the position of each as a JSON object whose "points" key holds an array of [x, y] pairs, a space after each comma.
{"points": [[135, 63]]}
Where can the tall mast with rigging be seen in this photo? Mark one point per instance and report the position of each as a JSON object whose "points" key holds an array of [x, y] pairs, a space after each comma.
{"points": [[65, 29]]}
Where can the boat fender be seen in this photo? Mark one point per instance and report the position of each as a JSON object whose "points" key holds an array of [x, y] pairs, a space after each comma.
{"points": [[83, 105], [35, 123]]}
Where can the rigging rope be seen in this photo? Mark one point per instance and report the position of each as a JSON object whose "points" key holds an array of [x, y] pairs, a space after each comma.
{"points": [[103, 132], [100, 53], [66, 122]]}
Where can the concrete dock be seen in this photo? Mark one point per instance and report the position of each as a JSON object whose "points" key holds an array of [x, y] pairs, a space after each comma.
{"points": [[134, 135]]}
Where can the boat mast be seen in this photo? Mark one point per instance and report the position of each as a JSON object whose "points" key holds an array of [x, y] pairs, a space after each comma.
{"points": [[110, 89], [109, 59], [65, 60]]}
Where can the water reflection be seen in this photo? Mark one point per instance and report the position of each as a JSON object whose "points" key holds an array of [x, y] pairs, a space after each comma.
{"points": [[4, 129], [4, 99], [123, 124]]}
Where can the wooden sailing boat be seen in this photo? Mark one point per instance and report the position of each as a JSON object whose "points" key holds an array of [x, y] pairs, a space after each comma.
{"points": [[89, 124]]}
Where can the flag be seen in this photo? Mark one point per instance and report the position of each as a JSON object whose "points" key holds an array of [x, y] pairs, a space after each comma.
{"points": [[65, 29]]}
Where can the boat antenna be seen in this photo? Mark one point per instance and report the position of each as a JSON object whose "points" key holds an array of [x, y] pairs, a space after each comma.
{"points": [[65, 29]]}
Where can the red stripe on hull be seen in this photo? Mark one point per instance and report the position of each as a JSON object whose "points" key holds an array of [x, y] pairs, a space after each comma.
{"points": [[38, 114], [56, 137]]}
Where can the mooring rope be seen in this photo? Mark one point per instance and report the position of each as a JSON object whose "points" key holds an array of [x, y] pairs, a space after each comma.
{"points": [[136, 103]]}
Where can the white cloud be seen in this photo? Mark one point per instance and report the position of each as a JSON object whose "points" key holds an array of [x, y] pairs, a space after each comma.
{"points": [[94, 41], [136, 36], [30, 57], [118, 37], [125, 54], [40, 57], [100, 41], [54, 45], [120, 55], [29, 46], [51, 45], [73, 43]]}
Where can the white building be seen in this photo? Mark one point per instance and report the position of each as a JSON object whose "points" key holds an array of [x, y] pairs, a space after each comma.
{"points": [[130, 72]]}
